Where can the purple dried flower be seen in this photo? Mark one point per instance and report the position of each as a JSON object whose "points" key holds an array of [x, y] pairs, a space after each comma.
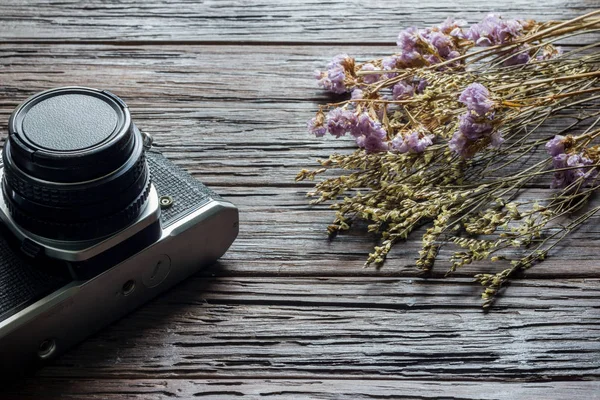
{"points": [[370, 134], [369, 78], [577, 160], [316, 128], [494, 30], [452, 27], [473, 126], [496, 139], [372, 144], [422, 85], [334, 79], [452, 55], [356, 94], [477, 98], [415, 142], [402, 90], [521, 56], [459, 144], [340, 121], [367, 126], [556, 145], [442, 43], [339, 60], [408, 39], [428, 46], [390, 63], [578, 172], [410, 58], [432, 59]]}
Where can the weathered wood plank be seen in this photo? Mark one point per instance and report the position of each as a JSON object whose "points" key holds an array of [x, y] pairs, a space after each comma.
{"points": [[266, 20], [295, 389], [391, 328]]}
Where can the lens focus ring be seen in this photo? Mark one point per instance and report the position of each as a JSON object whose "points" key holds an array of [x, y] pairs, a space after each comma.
{"points": [[79, 230], [51, 194]]}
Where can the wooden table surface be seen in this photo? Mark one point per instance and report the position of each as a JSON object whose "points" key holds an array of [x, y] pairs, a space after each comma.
{"points": [[226, 87]]}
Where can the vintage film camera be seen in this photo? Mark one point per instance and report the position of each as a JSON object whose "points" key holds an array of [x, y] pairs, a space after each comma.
{"points": [[93, 222]]}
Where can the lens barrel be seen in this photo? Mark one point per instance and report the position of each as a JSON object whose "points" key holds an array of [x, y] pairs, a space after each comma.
{"points": [[74, 165]]}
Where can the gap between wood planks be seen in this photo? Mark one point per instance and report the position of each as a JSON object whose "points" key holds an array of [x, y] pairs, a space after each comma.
{"points": [[190, 42]]}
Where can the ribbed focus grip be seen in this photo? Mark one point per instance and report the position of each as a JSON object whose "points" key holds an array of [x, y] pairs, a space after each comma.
{"points": [[53, 195]]}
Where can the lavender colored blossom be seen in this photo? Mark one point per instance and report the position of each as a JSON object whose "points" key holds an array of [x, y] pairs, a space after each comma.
{"points": [[577, 173], [452, 27], [521, 56], [372, 144], [369, 78], [459, 144], [370, 134], [356, 94], [390, 63], [340, 121], [415, 142], [411, 58], [494, 30], [477, 98], [334, 79], [432, 59], [367, 126], [408, 39], [430, 46], [473, 126], [556, 145], [316, 128], [421, 85], [402, 90], [496, 139], [442, 43], [577, 160]]}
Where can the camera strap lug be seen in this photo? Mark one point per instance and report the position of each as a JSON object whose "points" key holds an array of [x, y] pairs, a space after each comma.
{"points": [[148, 140]]}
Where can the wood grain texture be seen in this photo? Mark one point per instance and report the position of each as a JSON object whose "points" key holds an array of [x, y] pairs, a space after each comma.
{"points": [[300, 389], [332, 328], [258, 21], [287, 314]]}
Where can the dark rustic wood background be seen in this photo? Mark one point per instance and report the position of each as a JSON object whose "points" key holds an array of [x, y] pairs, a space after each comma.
{"points": [[226, 87]]}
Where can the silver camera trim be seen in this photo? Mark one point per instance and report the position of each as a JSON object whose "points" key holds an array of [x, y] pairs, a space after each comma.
{"points": [[82, 250], [80, 308]]}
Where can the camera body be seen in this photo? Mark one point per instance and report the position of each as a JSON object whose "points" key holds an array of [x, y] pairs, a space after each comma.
{"points": [[82, 244]]}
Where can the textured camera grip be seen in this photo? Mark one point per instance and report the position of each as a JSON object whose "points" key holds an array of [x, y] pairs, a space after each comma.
{"points": [[188, 194], [21, 283]]}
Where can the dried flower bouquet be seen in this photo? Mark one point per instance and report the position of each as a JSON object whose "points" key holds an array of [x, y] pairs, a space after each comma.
{"points": [[453, 128]]}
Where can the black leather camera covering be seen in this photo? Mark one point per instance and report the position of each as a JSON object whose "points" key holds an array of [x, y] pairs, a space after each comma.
{"points": [[22, 284]]}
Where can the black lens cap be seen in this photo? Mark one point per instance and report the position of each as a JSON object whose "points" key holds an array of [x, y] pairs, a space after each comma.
{"points": [[70, 134]]}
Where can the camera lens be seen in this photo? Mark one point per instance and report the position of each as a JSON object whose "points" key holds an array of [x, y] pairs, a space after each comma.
{"points": [[74, 165]]}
